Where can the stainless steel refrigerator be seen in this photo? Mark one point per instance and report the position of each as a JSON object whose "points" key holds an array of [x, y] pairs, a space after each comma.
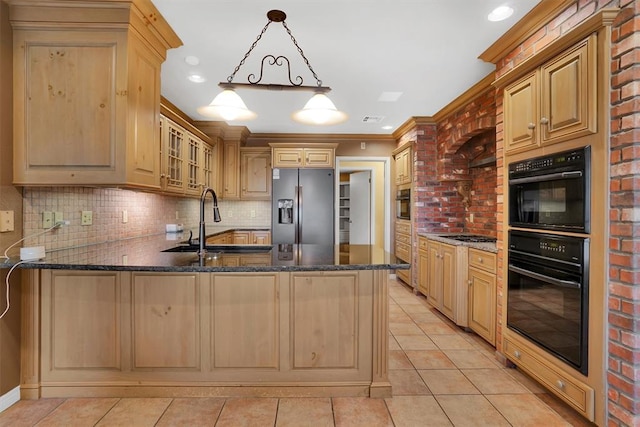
{"points": [[303, 206]]}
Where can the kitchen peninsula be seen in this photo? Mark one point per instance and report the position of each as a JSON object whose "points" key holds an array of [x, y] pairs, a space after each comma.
{"points": [[129, 318]]}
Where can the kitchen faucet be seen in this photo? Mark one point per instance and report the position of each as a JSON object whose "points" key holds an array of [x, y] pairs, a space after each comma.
{"points": [[216, 217]]}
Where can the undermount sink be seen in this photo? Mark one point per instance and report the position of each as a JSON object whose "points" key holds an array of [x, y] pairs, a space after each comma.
{"points": [[228, 249]]}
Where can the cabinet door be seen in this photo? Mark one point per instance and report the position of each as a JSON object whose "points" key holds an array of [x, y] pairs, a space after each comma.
{"points": [[520, 114], [287, 157], [569, 94], [318, 157], [166, 310], [207, 170], [173, 147], [193, 164], [482, 304], [261, 237], [241, 237], [434, 276], [231, 170], [405, 158], [448, 277], [82, 333], [423, 272], [325, 320], [255, 175], [245, 335]]}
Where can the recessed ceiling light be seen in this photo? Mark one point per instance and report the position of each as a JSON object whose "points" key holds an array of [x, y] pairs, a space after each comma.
{"points": [[192, 60], [500, 13], [389, 96], [197, 78], [387, 127]]}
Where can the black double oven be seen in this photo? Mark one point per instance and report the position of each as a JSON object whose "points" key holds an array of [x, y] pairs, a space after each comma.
{"points": [[548, 253]]}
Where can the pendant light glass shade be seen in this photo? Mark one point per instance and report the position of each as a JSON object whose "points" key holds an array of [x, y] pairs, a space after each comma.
{"points": [[319, 110], [227, 105]]}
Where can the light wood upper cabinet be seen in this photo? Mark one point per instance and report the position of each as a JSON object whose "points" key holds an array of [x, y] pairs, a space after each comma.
{"points": [[231, 170], [255, 173], [557, 102], [87, 93], [186, 160], [297, 156], [403, 169]]}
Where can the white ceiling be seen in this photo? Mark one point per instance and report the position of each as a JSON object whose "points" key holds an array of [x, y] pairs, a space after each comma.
{"points": [[426, 49]]}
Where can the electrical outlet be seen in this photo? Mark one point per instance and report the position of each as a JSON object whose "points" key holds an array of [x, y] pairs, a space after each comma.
{"points": [[57, 217], [230, 214], [177, 215], [470, 217], [363, 145], [125, 216], [47, 219], [87, 218], [6, 221], [253, 213]]}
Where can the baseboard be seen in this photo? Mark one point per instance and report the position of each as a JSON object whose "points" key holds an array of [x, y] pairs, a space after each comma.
{"points": [[9, 398]]}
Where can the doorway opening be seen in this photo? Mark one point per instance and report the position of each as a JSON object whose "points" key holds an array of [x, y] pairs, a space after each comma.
{"points": [[363, 201]]}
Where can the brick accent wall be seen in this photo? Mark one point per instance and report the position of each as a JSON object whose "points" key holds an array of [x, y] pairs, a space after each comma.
{"points": [[623, 317], [623, 375], [443, 154]]}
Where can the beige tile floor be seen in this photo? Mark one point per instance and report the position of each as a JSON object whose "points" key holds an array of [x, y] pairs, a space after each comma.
{"points": [[441, 376]]}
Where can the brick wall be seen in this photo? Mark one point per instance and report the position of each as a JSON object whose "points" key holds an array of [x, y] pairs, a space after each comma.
{"points": [[623, 374], [443, 154]]}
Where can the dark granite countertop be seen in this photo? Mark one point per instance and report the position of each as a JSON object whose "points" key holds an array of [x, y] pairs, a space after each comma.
{"points": [[442, 237], [146, 254]]}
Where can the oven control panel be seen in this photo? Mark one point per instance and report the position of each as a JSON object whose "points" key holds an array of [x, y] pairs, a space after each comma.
{"points": [[553, 247], [560, 160]]}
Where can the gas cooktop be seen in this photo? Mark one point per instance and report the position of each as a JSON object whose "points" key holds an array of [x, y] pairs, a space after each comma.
{"points": [[470, 238]]}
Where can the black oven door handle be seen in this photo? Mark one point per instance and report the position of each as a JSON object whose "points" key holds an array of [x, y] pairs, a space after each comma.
{"points": [[553, 280], [549, 177]]}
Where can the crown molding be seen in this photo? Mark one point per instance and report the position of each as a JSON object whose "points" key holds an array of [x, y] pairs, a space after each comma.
{"points": [[533, 21], [411, 124], [318, 137]]}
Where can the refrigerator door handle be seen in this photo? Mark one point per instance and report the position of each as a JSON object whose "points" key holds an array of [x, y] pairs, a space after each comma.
{"points": [[299, 223]]}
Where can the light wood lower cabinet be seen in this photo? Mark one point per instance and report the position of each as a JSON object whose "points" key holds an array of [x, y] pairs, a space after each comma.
{"points": [[441, 277], [482, 294], [165, 309], [167, 334]]}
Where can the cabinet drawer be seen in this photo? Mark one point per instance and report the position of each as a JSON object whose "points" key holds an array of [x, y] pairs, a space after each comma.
{"points": [[403, 227], [403, 238], [574, 392], [483, 260], [403, 251], [404, 275], [422, 243]]}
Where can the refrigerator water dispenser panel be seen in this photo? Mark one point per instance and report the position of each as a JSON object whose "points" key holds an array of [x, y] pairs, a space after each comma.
{"points": [[285, 211]]}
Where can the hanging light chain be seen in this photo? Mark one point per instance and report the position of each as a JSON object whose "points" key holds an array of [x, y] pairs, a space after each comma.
{"points": [[246, 55], [306, 61], [255, 43]]}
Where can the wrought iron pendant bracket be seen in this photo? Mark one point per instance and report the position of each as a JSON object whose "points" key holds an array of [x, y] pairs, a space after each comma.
{"points": [[275, 16]]}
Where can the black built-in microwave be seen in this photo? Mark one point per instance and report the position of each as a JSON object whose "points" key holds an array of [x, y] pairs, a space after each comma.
{"points": [[551, 192], [403, 204]]}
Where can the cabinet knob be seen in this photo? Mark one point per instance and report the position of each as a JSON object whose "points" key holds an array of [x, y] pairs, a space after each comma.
{"points": [[480, 260], [469, 282], [560, 384], [517, 354], [544, 121], [531, 126]]}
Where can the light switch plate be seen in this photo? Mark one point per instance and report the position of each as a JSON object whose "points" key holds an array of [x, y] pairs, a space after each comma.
{"points": [[87, 218], [47, 219], [6, 221]]}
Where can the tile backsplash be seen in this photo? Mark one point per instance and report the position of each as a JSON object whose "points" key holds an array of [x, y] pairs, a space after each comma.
{"points": [[146, 214]]}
